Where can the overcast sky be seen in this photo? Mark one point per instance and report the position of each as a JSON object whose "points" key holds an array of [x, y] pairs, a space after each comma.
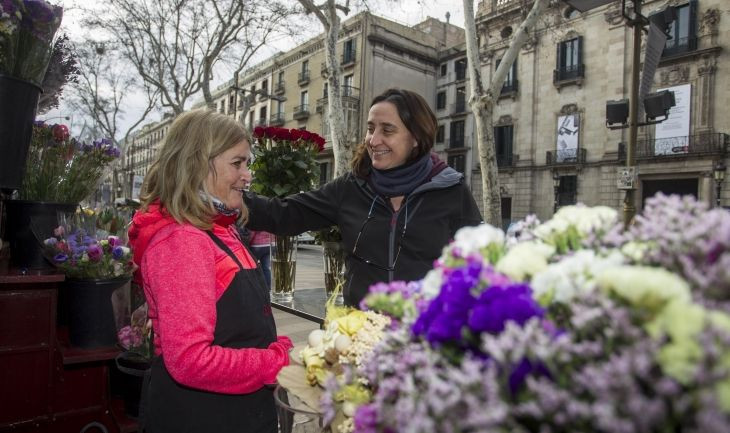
{"points": [[408, 12]]}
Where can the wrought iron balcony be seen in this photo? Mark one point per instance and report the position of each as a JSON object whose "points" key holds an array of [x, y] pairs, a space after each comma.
{"points": [[677, 46], [301, 111], [277, 119], [506, 160], [280, 88], [459, 108], [509, 87], [261, 122], [569, 73], [565, 156], [303, 78], [707, 144], [457, 143]]}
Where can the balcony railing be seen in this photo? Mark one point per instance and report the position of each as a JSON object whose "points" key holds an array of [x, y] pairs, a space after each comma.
{"points": [[689, 145], [458, 108], [565, 156], [277, 119], [509, 87], [263, 94], [280, 88], [506, 160], [679, 46], [301, 111], [569, 73], [260, 122], [303, 78], [348, 57], [457, 143]]}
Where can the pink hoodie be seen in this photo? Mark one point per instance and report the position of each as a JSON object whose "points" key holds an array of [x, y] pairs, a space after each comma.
{"points": [[184, 274]]}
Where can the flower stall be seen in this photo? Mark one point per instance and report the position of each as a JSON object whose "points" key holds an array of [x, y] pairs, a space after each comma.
{"points": [[568, 325]]}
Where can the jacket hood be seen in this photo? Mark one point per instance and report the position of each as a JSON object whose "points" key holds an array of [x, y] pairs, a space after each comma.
{"points": [[145, 224]]}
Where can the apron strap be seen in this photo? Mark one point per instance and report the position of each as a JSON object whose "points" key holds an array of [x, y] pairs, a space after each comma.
{"points": [[225, 248]]}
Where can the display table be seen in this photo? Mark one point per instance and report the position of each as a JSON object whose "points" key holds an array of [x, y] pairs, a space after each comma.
{"points": [[47, 385], [307, 304]]}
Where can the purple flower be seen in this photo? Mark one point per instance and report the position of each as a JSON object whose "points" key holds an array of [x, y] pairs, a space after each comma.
{"points": [[497, 305], [522, 370], [60, 258], [117, 252], [366, 418], [95, 252], [114, 241]]}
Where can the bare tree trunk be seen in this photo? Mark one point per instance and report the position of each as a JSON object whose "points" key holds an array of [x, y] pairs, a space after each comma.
{"points": [[482, 102], [341, 146]]}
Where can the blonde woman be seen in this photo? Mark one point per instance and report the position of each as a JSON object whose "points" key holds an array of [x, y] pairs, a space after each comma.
{"points": [[215, 337]]}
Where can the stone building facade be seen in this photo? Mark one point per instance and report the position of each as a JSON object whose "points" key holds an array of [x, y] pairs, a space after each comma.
{"points": [[553, 146]]}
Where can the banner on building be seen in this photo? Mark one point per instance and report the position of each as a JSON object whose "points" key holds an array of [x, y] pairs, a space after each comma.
{"points": [[655, 43], [567, 146], [671, 137], [136, 186]]}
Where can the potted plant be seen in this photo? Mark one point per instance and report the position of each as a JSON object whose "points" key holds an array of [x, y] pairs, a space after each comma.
{"points": [[61, 171], [284, 163], [27, 29], [95, 264]]}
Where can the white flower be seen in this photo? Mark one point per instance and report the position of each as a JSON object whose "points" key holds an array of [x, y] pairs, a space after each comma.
{"points": [[472, 239], [562, 281], [432, 283], [643, 286], [525, 259]]}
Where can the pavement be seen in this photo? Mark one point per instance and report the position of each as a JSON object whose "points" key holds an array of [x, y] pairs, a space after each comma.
{"points": [[309, 275]]}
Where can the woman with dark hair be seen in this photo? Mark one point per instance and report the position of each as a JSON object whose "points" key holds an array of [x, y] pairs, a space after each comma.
{"points": [[396, 210]]}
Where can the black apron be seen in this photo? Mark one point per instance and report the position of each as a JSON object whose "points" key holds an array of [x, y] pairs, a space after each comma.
{"points": [[244, 319]]}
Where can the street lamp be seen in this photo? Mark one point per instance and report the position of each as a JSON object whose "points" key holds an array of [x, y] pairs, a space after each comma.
{"points": [[719, 172], [556, 189]]}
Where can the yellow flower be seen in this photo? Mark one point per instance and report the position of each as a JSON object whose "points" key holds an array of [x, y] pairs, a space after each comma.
{"points": [[351, 323], [644, 287]]}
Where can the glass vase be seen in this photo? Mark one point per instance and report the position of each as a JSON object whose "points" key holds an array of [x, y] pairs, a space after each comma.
{"points": [[283, 267], [333, 255], [295, 416]]}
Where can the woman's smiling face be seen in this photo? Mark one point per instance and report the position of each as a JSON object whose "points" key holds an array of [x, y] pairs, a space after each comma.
{"points": [[389, 142], [230, 175]]}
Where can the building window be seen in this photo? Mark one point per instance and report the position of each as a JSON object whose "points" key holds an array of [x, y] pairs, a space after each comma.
{"points": [[510, 81], [265, 87], [281, 77], [440, 134], [323, 173], [348, 52], [683, 31], [440, 100], [460, 105], [304, 73], [506, 203], [503, 136], [570, 60], [347, 87], [444, 69], [457, 162], [460, 66], [262, 116], [304, 99], [568, 191], [456, 134], [305, 66]]}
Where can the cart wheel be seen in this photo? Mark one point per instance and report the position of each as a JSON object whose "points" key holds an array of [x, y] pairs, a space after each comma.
{"points": [[92, 426]]}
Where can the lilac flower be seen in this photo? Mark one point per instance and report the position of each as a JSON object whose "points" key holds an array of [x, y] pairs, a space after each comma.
{"points": [[114, 241], [365, 418]]}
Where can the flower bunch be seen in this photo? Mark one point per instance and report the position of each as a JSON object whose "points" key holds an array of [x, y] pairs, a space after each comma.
{"points": [[60, 168], [82, 251], [137, 337], [564, 327], [27, 29], [285, 161]]}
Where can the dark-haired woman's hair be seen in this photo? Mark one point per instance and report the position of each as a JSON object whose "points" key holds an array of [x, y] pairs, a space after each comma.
{"points": [[417, 117]]}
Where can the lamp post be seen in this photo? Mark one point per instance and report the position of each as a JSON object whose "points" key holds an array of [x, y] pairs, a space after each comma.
{"points": [[719, 173], [556, 188]]}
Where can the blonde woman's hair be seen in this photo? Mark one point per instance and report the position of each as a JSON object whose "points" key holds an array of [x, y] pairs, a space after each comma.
{"points": [[178, 174]]}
